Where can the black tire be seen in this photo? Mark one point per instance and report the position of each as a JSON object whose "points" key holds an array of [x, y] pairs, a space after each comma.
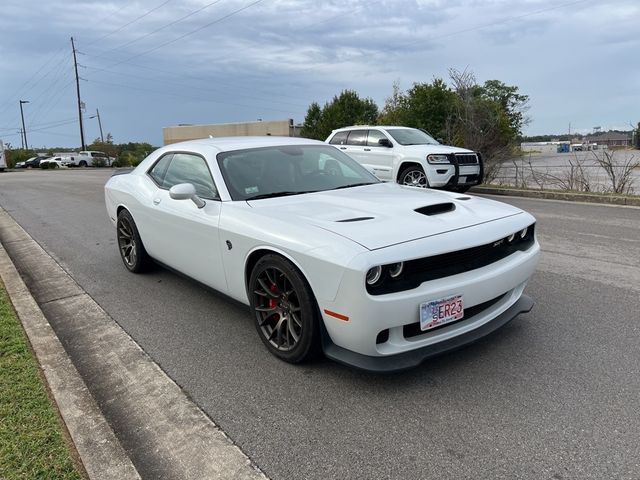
{"points": [[413, 176], [461, 189], [82, 163], [284, 308], [132, 252]]}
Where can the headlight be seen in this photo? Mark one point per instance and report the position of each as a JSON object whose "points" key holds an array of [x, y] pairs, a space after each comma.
{"points": [[438, 158], [523, 232], [511, 237], [373, 275], [396, 269]]}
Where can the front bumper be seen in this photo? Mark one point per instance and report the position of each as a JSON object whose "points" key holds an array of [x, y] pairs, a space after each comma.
{"points": [[413, 358]]}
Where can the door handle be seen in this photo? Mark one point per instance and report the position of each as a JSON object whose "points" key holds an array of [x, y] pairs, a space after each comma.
{"points": [[156, 201], [343, 148], [367, 149]]}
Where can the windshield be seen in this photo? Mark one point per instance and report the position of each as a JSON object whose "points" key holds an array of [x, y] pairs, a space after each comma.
{"points": [[411, 136], [289, 170]]}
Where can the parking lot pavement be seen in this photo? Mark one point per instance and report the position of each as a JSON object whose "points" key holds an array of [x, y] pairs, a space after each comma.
{"points": [[554, 394]]}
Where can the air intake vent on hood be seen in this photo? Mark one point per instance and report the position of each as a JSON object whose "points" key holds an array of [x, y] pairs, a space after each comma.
{"points": [[436, 209], [356, 219]]}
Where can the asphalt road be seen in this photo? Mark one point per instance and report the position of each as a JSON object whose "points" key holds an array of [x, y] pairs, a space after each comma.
{"points": [[555, 394]]}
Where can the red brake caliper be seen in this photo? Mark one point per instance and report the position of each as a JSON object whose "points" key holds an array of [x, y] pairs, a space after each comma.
{"points": [[273, 302]]}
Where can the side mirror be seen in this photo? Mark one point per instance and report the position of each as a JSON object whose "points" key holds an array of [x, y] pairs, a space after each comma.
{"points": [[384, 142], [186, 191], [440, 140]]}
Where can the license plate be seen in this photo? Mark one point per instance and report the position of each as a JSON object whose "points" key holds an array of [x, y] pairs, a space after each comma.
{"points": [[441, 311], [462, 179]]}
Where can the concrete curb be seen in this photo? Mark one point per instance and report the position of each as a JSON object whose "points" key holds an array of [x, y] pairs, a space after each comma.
{"points": [[558, 195], [157, 427], [102, 455]]}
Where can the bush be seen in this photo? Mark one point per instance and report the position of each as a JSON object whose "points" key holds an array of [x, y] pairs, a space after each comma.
{"points": [[99, 162]]}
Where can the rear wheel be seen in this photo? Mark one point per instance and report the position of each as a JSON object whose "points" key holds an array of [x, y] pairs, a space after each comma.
{"points": [[284, 309], [132, 251], [413, 176], [82, 163]]}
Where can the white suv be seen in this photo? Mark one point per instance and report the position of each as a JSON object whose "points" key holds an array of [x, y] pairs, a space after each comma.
{"points": [[409, 156]]}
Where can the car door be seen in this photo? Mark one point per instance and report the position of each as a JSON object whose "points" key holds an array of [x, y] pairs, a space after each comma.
{"points": [[355, 144], [182, 235], [378, 157]]}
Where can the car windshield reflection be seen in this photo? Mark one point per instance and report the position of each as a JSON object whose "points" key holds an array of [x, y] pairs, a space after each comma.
{"points": [[268, 172]]}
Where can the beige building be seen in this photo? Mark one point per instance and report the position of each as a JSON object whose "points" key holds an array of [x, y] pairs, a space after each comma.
{"points": [[278, 128]]}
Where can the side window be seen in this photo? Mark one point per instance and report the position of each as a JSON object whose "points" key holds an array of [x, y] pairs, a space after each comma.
{"points": [[160, 168], [188, 168], [374, 136], [357, 137], [339, 138]]}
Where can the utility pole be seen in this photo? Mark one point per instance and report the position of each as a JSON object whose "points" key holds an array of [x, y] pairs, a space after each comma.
{"points": [[100, 125], [75, 65], [24, 130], [21, 138]]}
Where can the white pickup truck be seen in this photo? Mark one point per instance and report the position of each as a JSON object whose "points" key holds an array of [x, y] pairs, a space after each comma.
{"points": [[409, 156], [86, 158]]}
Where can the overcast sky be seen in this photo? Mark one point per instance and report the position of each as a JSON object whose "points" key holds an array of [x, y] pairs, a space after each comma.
{"points": [[154, 63]]}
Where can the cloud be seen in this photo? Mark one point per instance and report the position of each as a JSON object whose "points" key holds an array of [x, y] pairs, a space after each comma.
{"points": [[186, 62]]}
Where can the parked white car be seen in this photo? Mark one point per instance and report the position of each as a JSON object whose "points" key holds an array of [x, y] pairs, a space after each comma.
{"points": [[409, 156], [56, 162], [378, 275]]}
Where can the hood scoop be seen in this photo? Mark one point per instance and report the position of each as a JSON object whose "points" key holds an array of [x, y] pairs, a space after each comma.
{"points": [[356, 219], [436, 209]]}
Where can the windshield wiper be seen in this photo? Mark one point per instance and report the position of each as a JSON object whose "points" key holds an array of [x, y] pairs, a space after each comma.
{"points": [[354, 185], [277, 194]]}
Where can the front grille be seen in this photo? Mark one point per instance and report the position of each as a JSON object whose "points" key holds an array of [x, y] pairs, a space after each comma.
{"points": [[413, 329], [467, 158], [444, 265]]}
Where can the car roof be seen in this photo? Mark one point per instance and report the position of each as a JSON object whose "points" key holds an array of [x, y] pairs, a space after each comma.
{"points": [[360, 127], [224, 144]]}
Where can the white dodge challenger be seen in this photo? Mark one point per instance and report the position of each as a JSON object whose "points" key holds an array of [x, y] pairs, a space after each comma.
{"points": [[376, 275]]}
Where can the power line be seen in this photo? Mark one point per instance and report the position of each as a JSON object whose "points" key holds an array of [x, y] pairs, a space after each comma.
{"points": [[204, 89], [207, 25], [129, 23], [135, 40], [198, 98]]}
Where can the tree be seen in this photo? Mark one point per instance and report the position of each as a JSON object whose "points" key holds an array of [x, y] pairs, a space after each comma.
{"points": [[425, 105], [487, 118], [343, 110], [513, 103], [311, 125], [429, 107], [395, 110]]}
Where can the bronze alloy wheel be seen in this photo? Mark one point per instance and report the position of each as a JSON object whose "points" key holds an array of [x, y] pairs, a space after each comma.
{"points": [[285, 312], [132, 251]]}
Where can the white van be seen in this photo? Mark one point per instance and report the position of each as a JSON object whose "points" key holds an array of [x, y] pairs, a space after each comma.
{"points": [[409, 156]]}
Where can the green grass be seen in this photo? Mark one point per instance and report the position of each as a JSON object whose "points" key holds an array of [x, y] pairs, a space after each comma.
{"points": [[31, 440]]}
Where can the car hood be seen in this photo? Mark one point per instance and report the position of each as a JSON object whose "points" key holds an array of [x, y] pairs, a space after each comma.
{"points": [[384, 214], [429, 149]]}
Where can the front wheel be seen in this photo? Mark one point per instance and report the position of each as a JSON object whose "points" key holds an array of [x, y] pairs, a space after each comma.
{"points": [[413, 176], [284, 309], [132, 251], [82, 163]]}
